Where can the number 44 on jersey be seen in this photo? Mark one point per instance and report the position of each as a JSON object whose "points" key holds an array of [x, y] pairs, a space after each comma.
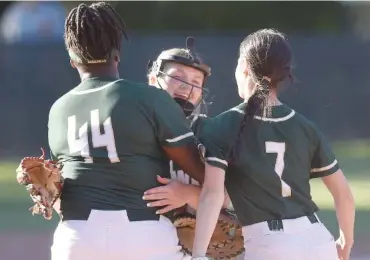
{"points": [[81, 143]]}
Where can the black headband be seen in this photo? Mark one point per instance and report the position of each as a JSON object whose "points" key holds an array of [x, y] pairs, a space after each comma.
{"points": [[192, 61]]}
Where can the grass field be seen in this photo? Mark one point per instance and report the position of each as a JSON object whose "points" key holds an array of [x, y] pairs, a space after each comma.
{"points": [[354, 158]]}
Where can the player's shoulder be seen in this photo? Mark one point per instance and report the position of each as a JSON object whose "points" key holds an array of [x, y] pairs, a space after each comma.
{"points": [[304, 121], [141, 88], [85, 88], [309, 127], [146, 92], [59, 103], [197, 121], [223, 124], [135, 85], [228, 117], [197, 118], [149, 98]]}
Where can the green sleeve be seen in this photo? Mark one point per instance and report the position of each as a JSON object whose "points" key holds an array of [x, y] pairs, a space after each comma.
{"points": [[213, 139], [171, 125], [323, 162], [197, 123]]}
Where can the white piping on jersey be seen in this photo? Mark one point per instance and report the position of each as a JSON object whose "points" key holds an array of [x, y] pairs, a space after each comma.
{"points": [[215, 159], [88, 91], [179, 138], [195, 118], [325, 168], [267, 119], [230, 205]]}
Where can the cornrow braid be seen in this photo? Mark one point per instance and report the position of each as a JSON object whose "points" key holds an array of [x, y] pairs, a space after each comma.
{"points": [[256, 104], [94, 32]]}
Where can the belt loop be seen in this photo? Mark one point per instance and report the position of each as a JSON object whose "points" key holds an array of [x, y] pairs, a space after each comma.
{"points": [[71, 211], [313, 218], [275, 225], [317, 217], [141, 215]]}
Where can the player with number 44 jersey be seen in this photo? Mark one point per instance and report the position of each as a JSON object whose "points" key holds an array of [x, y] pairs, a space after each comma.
{"points": [[265, 154], [114, 137]]}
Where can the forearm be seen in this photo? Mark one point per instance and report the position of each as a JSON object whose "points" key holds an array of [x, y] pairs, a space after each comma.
{"points": [[188, 159], [344, 203], [210, 203], [193, 195], [345, 210]]}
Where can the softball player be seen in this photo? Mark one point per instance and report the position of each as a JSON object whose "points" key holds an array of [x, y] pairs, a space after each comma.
{"points": [[266, 153], [181, 76], [113, 137]]}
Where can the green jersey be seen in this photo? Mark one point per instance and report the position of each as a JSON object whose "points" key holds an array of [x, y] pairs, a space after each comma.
{"points": [[196, 123], [109, 135], [269, 176]]}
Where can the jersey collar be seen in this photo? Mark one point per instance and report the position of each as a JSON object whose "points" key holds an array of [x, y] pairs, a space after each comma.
{"points": [[279, 113], [91, 85]]}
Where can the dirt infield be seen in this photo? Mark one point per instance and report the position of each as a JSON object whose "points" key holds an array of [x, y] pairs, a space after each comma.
{"points": [[25, 246]]}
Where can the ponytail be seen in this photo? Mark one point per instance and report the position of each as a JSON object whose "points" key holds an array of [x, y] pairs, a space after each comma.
{"points": [[256, 104]]}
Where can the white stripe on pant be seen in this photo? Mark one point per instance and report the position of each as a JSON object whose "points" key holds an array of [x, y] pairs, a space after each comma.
{"points": [[300, 240], [110, 235]]}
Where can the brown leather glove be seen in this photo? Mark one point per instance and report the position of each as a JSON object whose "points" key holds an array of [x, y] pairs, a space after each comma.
{"points": [[43, 181], [226, 242]]}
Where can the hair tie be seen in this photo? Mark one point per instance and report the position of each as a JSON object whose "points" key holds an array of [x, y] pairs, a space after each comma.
{"points": [[266, 78]]}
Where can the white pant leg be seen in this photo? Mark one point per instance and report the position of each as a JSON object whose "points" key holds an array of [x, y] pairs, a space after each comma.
{"points": [[313, 243], [147, 240], [73, 240], [324, 248], [110, 235]]}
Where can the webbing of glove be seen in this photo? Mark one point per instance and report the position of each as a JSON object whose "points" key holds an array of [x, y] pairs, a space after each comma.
{"points": [[226, 242], [43, 181]]}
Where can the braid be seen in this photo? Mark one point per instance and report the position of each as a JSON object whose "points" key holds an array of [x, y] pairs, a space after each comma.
{"points": [[255, 104], [94, 31], [267, 56]]}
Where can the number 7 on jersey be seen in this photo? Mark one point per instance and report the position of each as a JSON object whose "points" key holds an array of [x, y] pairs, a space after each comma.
{"points": [[279, 149]]}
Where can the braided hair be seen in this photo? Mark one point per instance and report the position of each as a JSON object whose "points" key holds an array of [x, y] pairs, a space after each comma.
{"points": [[94, 33], [269, 61]]}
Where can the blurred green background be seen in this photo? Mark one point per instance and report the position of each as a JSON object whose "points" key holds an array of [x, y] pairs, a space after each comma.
{"points": [[300, 16], [330, 40]]}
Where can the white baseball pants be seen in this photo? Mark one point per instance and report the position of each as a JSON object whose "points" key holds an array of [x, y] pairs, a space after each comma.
{"points": [[109, 235], [300, 240]]}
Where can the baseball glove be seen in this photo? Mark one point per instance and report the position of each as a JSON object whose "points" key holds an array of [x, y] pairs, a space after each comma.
{"points": [[43, 181], [226, 241]]}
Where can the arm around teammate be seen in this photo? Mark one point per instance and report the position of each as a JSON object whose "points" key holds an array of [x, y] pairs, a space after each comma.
{"points": [[265, 153], [183, 75]]}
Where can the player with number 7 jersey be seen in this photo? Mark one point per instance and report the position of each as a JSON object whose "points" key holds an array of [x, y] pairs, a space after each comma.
{"points": [[267, 168], [113, 137], [265, 154]]}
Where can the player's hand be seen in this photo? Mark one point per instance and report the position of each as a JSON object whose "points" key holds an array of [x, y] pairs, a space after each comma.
{"points": [[170, 196], [343, 248]]}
